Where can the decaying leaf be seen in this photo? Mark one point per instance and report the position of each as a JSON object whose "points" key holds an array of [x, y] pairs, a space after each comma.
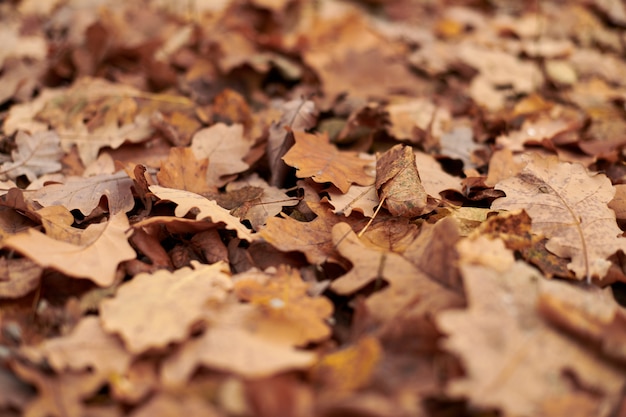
{"points": [[398, 182], [313, 156], [36, 154], [363, 199], [95, 256], [569, 206]]}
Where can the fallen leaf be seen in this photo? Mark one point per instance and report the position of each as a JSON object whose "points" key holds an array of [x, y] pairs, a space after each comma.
{"points": [[84, 194], [568, 206], [350, 368], [298, 115], [408, 286], [285, 312], [311, 238], [363, 199], [88, 346], [183, 171], [225, 147], [19, 277], [267, 205], [36, 154], [315, 157], [95, 256], [154, 310], [167, 405], [207, 209], [507, 350], [398, 182], [230, 349], [59, 395]]}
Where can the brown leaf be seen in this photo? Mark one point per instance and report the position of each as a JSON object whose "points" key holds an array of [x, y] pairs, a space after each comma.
{"points": [[507, 349], [168, 405], [19, 277], [95, 254], [350, 368], [568, 206], [225, 147], [311, 238], [36, 154], [363, 199], [58, 395], [153, 310], [84, 194], [298, 114], [207, 209], [183, 171], [231, 349], [268, 204], [398, 182], [87, 347], [294, 317], [313, 156], [408, 286]]}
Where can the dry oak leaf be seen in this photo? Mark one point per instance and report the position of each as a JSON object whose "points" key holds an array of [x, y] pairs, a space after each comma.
{"points": [[508, 350], [84, 194], [363, 199], [225, 147], [351, 368], [434, 178], [95, 255], [58, 395], [268, 204], [91, 114], [311, 238], [207, 209], [409, 288], [153, 310], [168, 405], [298, 114], [36, 154], [18, 277], [183, 171], [87, 346], [284, 311], [569, 206], [315, 157], [398, 182], [228, 348]]}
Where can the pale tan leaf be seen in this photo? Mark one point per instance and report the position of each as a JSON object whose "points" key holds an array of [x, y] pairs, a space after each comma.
{"points": [[87, 346], [154, 310], [207, 209], [84, 194], [35, 155], [225, 147], [513, 359], [569, 206], [235, 350], [363, 199], [95, 256]]}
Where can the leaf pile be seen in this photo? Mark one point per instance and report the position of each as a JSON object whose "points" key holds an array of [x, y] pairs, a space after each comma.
{"points": [[312, 208]]}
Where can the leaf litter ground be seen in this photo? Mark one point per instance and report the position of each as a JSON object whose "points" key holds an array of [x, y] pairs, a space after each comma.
{"points": [[297, 208]]}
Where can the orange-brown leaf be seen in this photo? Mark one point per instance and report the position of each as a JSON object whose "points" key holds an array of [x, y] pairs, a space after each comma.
{"points": [[313, 156]]}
